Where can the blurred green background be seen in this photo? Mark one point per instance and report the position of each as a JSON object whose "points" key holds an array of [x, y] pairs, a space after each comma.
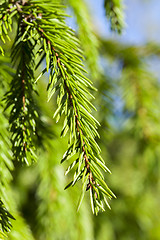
{"points": [[125, 70]]}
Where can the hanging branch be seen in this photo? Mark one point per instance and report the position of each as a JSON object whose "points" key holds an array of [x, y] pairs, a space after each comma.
{"points": [[63, 58], [23, 116], [114, 12], [42, 26]]}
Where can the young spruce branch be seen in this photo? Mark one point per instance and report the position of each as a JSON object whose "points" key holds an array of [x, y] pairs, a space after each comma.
{"points": [[42, 30]]}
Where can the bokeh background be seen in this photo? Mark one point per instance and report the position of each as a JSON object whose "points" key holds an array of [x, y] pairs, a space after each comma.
{"points": [[125, 69]]}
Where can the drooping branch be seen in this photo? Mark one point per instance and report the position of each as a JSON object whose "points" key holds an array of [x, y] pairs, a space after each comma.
{"points": [[114, 12], [23, 116], [66, 77], [45, 31]]}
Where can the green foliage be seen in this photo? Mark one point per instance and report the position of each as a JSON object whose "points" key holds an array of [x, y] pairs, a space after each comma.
{"points": [[7, 12], [86, 35], [4, 218], [43, 34], [135, 138], [44, 46], [5, 156], [53, 219], [114, 12], [23, 116], [7, 220]]}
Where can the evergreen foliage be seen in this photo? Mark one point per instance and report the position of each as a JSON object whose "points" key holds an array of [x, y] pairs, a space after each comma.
{"points": [[36, 45], [23, 116], [114, 12], [5, 216], [43, 34], [86, 35]]}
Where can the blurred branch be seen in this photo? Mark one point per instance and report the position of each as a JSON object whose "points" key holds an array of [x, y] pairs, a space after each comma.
{"points": [[114, 12]]}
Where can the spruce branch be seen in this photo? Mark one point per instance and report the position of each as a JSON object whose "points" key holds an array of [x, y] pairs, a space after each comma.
{"points": [[23, 116], [114, 12], [42, 27], [63, 59], [5, 217], [7, 12]]}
